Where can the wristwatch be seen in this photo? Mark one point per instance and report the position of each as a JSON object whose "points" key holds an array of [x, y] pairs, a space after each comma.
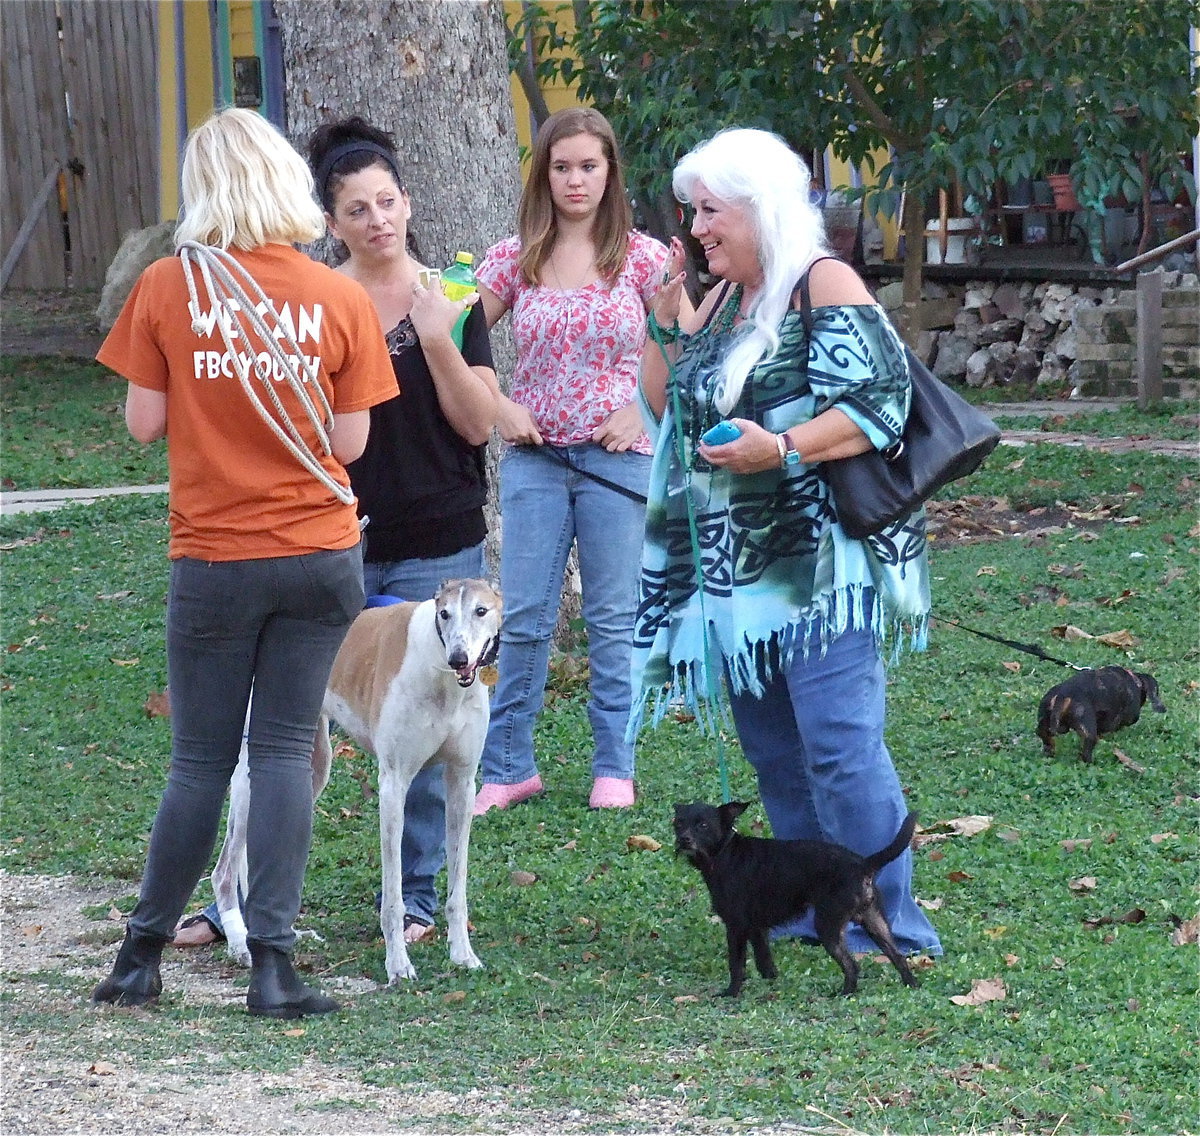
{"points": [[791, 455]]}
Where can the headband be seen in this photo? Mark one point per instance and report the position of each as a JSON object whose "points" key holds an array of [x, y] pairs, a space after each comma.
{"points": [[325, 169]]}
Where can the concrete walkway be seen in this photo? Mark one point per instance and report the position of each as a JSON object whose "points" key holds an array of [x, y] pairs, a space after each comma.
{"points": [[37, 500]]}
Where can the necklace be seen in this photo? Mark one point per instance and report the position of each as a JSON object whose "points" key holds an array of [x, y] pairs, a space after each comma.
{"points": [[729, 312], [585, 277]]}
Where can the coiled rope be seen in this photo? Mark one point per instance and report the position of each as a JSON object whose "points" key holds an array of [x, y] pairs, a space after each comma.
{"points": [[234, 302]]}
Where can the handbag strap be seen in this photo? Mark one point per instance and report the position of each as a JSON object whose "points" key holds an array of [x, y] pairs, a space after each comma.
{"points": [[806, 297]]}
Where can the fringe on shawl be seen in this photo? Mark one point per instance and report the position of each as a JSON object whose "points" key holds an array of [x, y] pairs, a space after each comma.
{"points": [[758, 661]]}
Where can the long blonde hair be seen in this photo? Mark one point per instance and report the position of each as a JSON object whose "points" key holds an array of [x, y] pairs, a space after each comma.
{"points": [[760, 173], [245, 186], [537, 224]]}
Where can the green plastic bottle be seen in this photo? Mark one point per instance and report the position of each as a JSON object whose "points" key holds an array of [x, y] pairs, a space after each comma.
{"points": [[458, 281]]}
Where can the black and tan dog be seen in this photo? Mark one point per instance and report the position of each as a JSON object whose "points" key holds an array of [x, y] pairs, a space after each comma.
{"points": [[758, 884], [1094, 703]]}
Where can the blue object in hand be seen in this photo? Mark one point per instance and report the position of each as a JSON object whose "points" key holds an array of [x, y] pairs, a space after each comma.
{"points": [[720, 434]]}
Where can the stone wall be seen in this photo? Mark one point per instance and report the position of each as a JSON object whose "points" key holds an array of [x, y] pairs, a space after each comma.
{"points": [[1072, 338]]}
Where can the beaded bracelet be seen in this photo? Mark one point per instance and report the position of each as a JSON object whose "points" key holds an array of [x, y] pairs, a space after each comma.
{"points": [[665, 334]]}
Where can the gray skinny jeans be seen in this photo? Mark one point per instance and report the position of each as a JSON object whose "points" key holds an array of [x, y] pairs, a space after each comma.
{"points": [[274, 625]]}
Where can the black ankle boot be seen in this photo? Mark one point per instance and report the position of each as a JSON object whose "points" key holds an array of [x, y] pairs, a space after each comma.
{"points": [[135, 978], [276, 990]]}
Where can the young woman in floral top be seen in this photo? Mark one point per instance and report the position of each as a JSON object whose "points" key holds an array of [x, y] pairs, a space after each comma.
{"points": [[578, 282]]}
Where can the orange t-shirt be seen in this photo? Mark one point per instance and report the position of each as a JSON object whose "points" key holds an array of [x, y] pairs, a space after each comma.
{"points": [[237, 492]]}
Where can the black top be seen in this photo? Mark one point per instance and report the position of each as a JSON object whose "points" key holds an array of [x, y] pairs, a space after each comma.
{"points": [[421, 484]]}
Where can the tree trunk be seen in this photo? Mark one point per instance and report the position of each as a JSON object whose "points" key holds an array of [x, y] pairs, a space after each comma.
{"points": [[434, 73], [913, 227]]}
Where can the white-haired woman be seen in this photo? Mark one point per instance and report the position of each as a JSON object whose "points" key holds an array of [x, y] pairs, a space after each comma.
{"points": [[266, 566], [793, 611]]}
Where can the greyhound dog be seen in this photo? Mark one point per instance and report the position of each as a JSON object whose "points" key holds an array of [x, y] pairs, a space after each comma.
{"points": [[404, 686]]}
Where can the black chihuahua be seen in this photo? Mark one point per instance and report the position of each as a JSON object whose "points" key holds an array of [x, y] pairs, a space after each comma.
{"points": [[758, 884], [1094, 703]]}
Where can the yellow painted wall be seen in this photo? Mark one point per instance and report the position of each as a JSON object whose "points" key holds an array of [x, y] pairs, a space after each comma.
{"points": [[557, 94], [198, 92]]}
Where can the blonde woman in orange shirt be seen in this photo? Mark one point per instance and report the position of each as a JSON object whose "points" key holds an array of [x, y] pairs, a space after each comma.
{"points": [[266, 567]]}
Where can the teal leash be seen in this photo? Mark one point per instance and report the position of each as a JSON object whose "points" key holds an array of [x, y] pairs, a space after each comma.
{"points": [[712, 690]]}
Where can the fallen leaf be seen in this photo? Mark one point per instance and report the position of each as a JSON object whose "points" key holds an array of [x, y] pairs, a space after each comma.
{"points": [[1187, 932], [982, 990], [680, 999], [1122, 640], [114, 595], [125, 662], [102, 1068], [32, 930], [158, 704], [114, 915], [996, 932], [522, 879], [986, 570], [570, 846], [1159, 837], [1112, 601], [1011, 960], [959, 877], [958, 826], [294, 1032], [648, 843], [1133, 1005], [454, 996], [1014, 667], [1082, 883], [1128, 762], [1069, 632], [931, 904], [1072, 845]]}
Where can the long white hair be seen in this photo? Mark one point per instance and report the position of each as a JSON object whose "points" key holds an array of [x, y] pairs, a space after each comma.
{"points": [[757, 171]]}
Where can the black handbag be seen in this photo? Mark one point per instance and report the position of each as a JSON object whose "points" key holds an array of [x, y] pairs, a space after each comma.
{"points": [[944, 439]]}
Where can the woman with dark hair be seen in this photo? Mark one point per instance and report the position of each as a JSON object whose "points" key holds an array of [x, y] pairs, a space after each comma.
{"points": [[266, 564], [421, 481], [578, 281]]}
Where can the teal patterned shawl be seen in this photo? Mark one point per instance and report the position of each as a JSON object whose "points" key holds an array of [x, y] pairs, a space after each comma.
{"points": [[778, 570]]}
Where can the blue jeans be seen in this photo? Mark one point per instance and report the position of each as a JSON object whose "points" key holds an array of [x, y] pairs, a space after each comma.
{"points": [[275, 624], [545, 507], [815, 740], [423, 849]]}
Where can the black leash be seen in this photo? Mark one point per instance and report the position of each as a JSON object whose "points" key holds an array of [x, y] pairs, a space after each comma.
{"points": [[1028, 648], [624, 490]]}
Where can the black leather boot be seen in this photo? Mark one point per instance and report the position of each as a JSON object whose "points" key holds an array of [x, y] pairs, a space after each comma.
{"points": [[135, 978], [276, 990]]}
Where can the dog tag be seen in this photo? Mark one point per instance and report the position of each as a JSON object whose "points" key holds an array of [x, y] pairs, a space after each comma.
{"points": [[488, 675]]}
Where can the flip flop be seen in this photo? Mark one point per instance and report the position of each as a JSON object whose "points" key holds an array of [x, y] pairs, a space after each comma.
{"points": [[424, 929], [215, 934]]}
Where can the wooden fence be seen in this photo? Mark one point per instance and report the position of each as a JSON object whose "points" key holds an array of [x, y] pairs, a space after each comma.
{"points": [[81, 137]]}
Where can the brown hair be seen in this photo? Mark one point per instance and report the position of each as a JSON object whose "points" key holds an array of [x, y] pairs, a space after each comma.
{"points": [[537, 224]]}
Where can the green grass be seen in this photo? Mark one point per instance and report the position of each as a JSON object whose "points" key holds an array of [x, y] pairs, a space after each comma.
{"points": [[64, 428], [1176, 419], [598, 976]]}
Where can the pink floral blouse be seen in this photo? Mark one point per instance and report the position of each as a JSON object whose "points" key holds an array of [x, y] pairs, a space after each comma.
{"points": [[578, 351]]}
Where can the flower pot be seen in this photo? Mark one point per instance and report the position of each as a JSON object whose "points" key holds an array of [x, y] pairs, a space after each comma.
{"points": [[958, 230], [1065, 200]]}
